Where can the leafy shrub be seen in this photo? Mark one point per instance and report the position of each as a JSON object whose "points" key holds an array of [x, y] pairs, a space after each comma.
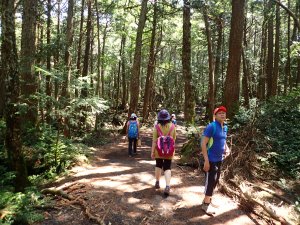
{"points": [[189, 153], [19, 207], [279, 122]]}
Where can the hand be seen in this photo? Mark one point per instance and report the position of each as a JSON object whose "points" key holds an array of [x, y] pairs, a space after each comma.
{"points": [[206, 166], [226, 154], [152, 155]]}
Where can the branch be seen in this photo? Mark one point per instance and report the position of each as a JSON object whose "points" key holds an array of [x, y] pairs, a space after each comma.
{"points": [[290, 13], [268, 209]]}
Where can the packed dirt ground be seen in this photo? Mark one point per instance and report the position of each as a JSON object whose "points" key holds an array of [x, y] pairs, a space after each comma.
{"points": [[116, 189]]}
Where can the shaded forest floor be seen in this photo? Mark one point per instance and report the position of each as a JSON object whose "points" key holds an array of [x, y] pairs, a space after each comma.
{"points": [[116, 189]]}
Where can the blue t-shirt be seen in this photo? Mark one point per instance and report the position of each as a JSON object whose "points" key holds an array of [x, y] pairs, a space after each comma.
{"points": [[217, 147]]}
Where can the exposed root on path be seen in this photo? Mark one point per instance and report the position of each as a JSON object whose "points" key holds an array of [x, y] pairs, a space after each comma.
{"points": [[77, 201]]}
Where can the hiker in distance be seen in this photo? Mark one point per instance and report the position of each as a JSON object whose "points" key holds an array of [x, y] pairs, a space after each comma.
{"points": [[163, 148], [214, 150], [133, 128], [173, 119]]}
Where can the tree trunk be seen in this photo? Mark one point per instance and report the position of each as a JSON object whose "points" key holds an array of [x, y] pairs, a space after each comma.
{"points": [[261, 93], [56, 54], [218, 57], [97, 92], [151, 64], [27, 62], [269, 69], [9, 62], [245, 80], [211, 83], [287, 76], [92, 59], [103, 60], [119, 67], [85, 69], [135, 74], [69, 40], [48, 77], [232, 82], [246, 68], [78, 64], [189, 99], [276, 54], [124, 89]]}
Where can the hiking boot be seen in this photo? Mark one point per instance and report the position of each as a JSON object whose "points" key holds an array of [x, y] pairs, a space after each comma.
{"points": [[167, 191], [208, 208], [157, 185]]}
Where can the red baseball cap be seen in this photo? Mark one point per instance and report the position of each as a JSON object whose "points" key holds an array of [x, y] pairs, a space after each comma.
{"points": [[220, 109]]}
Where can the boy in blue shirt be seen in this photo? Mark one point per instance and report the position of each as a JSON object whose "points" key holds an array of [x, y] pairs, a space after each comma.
{"points": [[214, 150]]}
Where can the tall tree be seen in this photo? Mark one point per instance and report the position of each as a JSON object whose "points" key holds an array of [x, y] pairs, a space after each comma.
{"points": [[57, 50], [261, 92], [27, 62], [217, 72], [84, 91], [69, 40], [10, 69], [135, 73], [189, 99], [79, 49], [97, 91], [270, 55], [151, 64], [103, 59], [276, 54], [211, 82], [48, 76], [232, 82]]}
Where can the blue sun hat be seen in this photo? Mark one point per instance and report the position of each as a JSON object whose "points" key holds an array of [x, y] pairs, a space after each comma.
{"points": [[163, 115]]}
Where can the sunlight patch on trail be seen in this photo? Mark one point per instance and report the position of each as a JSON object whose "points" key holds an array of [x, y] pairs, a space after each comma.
{"points": [[126, 182], [102, 170]]}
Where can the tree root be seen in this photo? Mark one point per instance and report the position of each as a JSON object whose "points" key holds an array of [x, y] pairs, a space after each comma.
{"points": [[246, 195], [273, 193], [77, 201], [57, 192]]}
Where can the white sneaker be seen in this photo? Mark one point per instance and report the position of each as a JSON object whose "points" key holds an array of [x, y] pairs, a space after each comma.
{"points": [[208, 208]]}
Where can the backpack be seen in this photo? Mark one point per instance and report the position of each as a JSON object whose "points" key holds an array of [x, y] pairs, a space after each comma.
{"points": [[165, 144], [209, 144], [211, 139], [132, 129]]}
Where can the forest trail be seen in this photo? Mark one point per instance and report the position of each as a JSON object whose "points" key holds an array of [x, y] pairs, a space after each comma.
{"points": [[119, 190]]}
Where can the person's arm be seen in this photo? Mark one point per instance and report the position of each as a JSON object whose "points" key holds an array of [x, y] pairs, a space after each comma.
{"points": [[227, 151], [154, 143], [204, 152], [127, 127]]}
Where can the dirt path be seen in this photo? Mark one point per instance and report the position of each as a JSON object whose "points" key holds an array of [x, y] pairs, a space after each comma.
{"points": [[119, 190]]}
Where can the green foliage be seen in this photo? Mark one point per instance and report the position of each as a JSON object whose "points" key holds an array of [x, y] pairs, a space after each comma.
{"points": [[245, 116], [96, 138], [189, 154], [279, 122], [19, 207]]}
